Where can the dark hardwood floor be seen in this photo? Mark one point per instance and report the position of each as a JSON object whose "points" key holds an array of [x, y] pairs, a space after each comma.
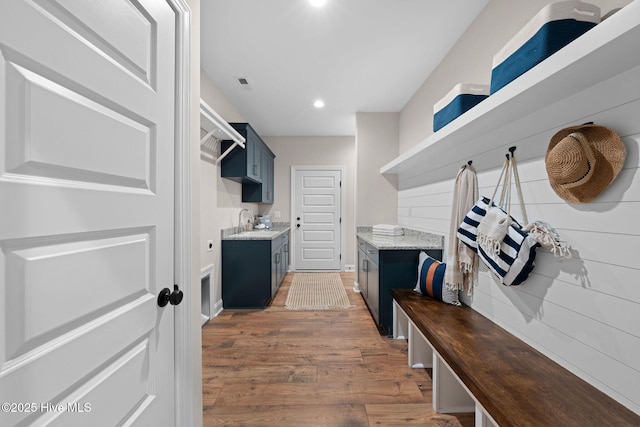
{"points": [[278, 367]]}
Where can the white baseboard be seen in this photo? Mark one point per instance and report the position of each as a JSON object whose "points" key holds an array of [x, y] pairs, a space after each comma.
{"points": [[217, 308], [349, 267], [356, 286], [204, 319]]}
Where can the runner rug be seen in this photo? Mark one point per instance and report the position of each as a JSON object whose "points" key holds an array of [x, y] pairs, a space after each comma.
{"points": [[317, 291]]}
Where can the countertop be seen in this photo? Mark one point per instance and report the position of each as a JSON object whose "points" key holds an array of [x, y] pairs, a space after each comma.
{"points": [[412, 239], [271, 234]]}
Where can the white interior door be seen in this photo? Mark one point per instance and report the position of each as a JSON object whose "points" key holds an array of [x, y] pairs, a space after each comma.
{"points": [[317, 219], [87, 116]]}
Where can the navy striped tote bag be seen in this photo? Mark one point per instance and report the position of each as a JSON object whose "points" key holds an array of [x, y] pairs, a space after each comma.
{"points": [[512, 258]]}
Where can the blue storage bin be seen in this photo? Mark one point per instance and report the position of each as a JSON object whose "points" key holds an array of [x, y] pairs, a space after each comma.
{"points": [[461, 98], [555, 26]]}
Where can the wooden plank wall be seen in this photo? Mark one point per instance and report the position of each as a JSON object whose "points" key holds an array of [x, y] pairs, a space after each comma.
{"points": [[583, 313]]}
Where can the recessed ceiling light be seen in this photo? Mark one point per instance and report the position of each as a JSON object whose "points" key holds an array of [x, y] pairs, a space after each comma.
{"points": [[319, 103], [317, 3]]}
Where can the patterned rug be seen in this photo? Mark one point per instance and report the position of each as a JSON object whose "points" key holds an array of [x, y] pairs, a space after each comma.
{"points": [[317, 291]]}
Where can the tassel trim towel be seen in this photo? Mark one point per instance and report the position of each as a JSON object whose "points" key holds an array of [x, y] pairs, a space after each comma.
{"points": [[462, 261]]}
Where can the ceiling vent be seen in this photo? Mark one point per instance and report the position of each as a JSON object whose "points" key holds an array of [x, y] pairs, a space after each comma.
{"points": [[244, 83]]}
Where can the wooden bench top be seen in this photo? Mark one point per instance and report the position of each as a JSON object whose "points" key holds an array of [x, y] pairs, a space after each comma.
{"points": [[515, 383]]}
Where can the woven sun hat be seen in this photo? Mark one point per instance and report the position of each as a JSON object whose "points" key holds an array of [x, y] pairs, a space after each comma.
{"points": [[582, 161]]}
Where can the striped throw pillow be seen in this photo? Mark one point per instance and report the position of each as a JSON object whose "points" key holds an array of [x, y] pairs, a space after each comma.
{"points": [[431, 280]]}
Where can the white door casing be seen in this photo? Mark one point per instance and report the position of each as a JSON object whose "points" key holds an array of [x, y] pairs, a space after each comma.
{"points": [[316, 217], [87, 225]]}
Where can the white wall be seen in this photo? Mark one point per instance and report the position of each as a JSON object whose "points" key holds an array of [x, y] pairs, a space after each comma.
{"points": [[220, 199], [584, 313], [313, 151], [376, 145]]}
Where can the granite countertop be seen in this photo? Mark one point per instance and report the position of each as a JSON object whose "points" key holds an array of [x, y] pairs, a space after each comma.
{"points": [[257, 234], [412, 239]]}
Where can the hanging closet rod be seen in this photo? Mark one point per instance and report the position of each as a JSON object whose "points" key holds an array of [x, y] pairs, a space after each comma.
{"points": [[219, 125]]}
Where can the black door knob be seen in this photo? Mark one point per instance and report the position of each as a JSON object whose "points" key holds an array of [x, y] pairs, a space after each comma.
{"points": [[163, 297], [298, 225], [176, 296], [167, 297]]}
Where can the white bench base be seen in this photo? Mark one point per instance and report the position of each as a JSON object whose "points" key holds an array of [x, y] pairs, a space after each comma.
{"points": [[450, 395]]}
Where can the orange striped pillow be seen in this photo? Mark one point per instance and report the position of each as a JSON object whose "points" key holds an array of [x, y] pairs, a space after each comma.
{"points": [[431, 280]]}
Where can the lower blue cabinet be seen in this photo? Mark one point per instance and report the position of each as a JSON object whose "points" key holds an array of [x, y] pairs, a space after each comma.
{"points": [[252, 271]]}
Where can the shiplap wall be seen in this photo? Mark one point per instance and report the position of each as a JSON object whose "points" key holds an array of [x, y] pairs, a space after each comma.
{"points": [[583, 313]]}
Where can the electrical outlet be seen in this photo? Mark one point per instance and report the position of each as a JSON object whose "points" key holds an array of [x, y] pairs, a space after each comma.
{"points": [[209, 245]]}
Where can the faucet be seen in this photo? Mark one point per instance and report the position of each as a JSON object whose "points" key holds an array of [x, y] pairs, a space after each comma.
{"points": [[240, 224]]}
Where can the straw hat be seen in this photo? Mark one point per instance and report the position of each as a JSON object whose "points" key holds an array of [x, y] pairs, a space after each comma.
{"points": [[583, 160]]}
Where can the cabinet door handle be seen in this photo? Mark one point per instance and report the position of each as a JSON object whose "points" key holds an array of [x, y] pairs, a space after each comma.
{"points": [[365, 265], [278, 258], [286, 247], [255, 169]]}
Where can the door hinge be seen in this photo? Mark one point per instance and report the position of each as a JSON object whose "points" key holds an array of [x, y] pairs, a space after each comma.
{"points": [[340, 183], [340, 220], [340, 256]]}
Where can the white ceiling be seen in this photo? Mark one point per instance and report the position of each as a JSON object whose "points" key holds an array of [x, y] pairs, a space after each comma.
{"points": [[356, 55]]}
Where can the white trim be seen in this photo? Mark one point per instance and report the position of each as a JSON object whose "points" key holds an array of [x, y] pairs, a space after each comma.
{"points": [[217, 308], [343, 225], [187, 332], [218, 129], [204, 273]]}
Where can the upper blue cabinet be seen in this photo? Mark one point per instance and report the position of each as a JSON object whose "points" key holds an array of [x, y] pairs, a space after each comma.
{"points": [[253, 166], [243, 165]]}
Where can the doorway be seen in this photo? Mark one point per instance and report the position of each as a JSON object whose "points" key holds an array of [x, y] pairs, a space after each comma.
{"points": [[317, 210]]}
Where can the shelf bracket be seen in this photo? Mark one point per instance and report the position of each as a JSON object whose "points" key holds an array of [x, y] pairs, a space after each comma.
{"points": [[217, 128], [207, 136], [228, 150]]}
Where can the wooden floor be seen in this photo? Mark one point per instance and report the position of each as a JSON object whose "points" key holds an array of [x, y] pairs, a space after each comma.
{"points": [[278, 367]]}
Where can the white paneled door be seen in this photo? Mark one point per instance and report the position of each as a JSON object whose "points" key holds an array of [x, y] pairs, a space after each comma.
{"points": [[317, 219], [87, 115]]}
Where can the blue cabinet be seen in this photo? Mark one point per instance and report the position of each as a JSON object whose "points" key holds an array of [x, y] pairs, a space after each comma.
{"points": [[379, 271], [252, 270], [263, 192], [243, 165], [253, 166]]}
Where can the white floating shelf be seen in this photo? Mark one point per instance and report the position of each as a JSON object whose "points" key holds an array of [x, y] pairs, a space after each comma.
{"points": [[218, 129], [547, 96]]}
